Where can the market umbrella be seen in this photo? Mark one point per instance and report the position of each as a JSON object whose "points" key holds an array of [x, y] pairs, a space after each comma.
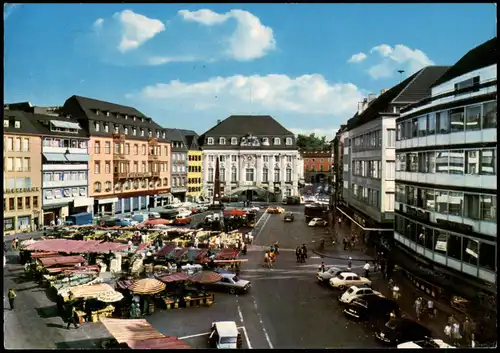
{"points": [[205, 277], [157, 221], [110, 296], [28, 242], [236, 213], [147, 286]]}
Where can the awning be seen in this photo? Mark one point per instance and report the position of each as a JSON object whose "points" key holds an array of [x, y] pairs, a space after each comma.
{"points": [[61, 260], [78, 157], [55, 157], [55, 205], [368, 229], [90, 291], [108, 200], [65, 124], [76, 246], [175, 277], [83, 201]]}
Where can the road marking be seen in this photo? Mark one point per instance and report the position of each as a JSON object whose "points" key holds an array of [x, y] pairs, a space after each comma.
{"points": [[262, 325], [208, 333], [258, 221], [244, 329], [315, 257], [263, 226], [240, 314]]}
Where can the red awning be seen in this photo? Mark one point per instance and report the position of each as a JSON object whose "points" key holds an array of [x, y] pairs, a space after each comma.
{"points": [[175, 277], [166, 250], [37, 255], [141, 247], [76, 246], [179, 253], [124, 284], [201, 254], [227, 254], [61, 260]]}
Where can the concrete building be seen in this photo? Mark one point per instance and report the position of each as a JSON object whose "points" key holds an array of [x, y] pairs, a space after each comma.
{"points": [[337, 171], [22, 180], [369, 157], [129, 156], [256, 156], [179, 169], [446, 177], [194, 173], [317, 166]]}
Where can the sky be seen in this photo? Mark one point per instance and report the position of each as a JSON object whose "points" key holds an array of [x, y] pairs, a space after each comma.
{"points": [[188, 65]]}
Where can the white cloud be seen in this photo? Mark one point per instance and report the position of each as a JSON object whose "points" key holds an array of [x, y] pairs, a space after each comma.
{"points": [[306, 95], [357, 58], [160, 60], [328, 132], [398, 58], [250, 40], [134, 29]]}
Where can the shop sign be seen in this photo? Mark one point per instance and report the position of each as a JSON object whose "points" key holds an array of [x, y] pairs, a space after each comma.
{"points": [[20, 190], [359, 219]]}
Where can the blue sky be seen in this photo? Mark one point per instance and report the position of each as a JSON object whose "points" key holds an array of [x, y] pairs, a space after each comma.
{"points": [[189, 65]]}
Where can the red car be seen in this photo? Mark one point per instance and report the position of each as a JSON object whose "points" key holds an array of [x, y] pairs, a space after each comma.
{"points": [[182, 221]]}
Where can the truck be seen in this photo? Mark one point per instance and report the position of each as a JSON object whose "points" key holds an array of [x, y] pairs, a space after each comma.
{"points": [[79, 219], [315, 211]]}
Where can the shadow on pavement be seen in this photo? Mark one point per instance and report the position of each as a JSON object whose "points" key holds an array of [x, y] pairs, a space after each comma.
{"points": [[81, 344], [48, 312], [56, 326], [28, 288]]}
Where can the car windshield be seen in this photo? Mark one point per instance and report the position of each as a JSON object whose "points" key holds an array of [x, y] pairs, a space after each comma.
{"points": [[340, 277], [350, 290], [224, 340]]}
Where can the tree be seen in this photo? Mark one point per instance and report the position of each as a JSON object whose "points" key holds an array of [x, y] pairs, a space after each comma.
{"points": [[312, 142]]}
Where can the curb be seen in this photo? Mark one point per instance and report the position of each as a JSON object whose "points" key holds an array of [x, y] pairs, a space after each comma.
{"points": [[337, 257]]}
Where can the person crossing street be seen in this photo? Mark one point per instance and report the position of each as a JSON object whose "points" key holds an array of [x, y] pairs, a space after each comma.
{"points": [[12, 297], [366, 268]]}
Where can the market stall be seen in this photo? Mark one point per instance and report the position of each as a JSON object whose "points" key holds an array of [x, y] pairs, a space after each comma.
{"points": [[94, 301], [139, 334], [197, 295], [146, 288], [174, 288]]}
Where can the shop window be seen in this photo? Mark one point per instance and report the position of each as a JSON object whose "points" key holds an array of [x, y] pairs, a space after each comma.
{"points": [[8, 224], [471, 206], [455, 203], [455, 247], [489, 115], [457, 120], [487, 256], [470, 251], [488, 207], [441, 241], [472, 118]]}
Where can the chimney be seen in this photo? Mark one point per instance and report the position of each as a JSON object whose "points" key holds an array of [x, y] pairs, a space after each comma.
{"points": [[218, 121], [371, 97], [362, 105], [383, 90]]}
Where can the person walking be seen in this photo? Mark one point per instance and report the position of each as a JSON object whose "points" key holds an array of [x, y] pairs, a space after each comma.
{"points": [[418, 307], [430, 308], [297, 254], [468, 331], [447, 332], [396, 294], [12, 297], [72, 318], [323, 267], [276, 248], [304, 250], [340, 222], [366, 267], [455, 334], [349, 263], [346, 244]]}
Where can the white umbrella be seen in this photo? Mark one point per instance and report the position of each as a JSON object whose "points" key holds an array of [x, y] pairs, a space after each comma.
{"points": [[27, 242], [110, 296]]}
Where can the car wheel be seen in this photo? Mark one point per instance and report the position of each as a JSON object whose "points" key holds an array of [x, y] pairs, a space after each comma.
{"points": [[341, 287], [232, 290]]}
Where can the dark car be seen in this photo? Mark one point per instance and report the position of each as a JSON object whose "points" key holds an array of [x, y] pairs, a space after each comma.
{"points": [[372, 308], [401, 330], [289, 217]]}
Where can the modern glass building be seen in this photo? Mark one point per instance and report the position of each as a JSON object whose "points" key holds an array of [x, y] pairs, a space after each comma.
{"points": [[446, 174]]}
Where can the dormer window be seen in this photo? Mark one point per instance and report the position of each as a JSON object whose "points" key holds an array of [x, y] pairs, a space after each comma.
{"points": [[265, 141], [222, 141], [126, 131], [277, 141], [163, 134], [126, 116], [210, 141], [106, 128], [97, 127], [107, 113], [133, 118], [142, 120], [150, 133], [96, 112], [289, 141], [134, 131], [157, 134], [234, 141], [142, 132], [117, 129], [17, 124]]}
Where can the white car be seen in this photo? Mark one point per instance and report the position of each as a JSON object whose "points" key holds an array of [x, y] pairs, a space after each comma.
{"points": [[183, 213], [428, 343], [254, 209], [154, 215], [317, 222], [329, 273], [356, 292], [348, 279]]}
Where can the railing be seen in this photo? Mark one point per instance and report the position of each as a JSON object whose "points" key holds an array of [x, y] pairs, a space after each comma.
{"points": [[119, 156], [153, 157]]}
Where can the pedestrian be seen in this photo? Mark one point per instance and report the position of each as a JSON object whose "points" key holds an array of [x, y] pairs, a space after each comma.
{"points": [[455, 334], [323, 267], [366, 267], [72, 318], [13, 246], [346, 245], [276, 248], [340, 222], [396, 294], [297, 254], [452, 320], [304, 249], [447, 332], [383, 268], [430, 308], [349, 263], [12, 297], [418, 307], [468, 331]]}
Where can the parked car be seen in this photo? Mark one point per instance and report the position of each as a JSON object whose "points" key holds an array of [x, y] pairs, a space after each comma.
{"points": [[225, 335], [289, 217], [329, 273], [140, 217], [348, 279], [154, 215], [356, 292], [182, 220], [400, 330], [431, 343], [372, 308], [317, 222], [128, 222], [232, 283], [183, 213]]}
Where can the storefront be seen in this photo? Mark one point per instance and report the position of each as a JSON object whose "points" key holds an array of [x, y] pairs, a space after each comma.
{"points": [[105, 207]]}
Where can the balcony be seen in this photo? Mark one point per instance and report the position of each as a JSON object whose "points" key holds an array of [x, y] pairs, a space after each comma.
{"points": [[153, 157], [155, 174], [119, 156], [64, 167], [118, 137]]}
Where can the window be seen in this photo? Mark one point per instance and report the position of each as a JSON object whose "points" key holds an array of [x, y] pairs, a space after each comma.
{"points": [[472, 118], [27, 203], [489, 120], [26, 145], [390, 170], [455, 203], [211, 175], [222, 159], [108, 186], [289, 141], [17, 146], [391, 138], [473, 81], [117, 129], [97, 167], [277, 159], [265, 159], [442, 162], [443, 122], [471, 206], [277, 141], [457, 120], [399, 132], [488, 162], [454, 246], [442, 202], [233, 174], [400, 162], [134, 131], [422, 126], [117, 148], [431, 124], [210, 141], [457, 162], [19, 203], [487, 256], [249, 174], [106, 127], [414, 128], [389, 198], [265, 141], [222, 174], [222, 141], [35, 201], [142, 132], [143, 148], [441, 244], [488, 208], [412, 162], [97, 187], [288, 175], [234, 141], [276, 175], [107, 168], [127, 148], [265, 175]]}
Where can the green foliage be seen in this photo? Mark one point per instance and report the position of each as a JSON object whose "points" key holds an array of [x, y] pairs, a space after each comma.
{"points": [[312, 142]]}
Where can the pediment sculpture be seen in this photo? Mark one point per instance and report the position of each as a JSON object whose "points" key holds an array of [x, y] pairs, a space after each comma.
{"points": [[250, 141]]}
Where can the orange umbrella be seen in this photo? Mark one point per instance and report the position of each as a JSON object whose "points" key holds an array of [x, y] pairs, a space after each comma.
{"points": [[205, 277], [147, 286]]}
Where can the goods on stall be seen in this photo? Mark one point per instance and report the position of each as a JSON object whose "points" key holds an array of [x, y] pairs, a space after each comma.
{"points": [[106, 312]]}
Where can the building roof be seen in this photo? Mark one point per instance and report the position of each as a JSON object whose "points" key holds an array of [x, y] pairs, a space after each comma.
{"points": [[90, 104], [241, 125], [408, 91], [27, 126], [190, 139], [481, 56]]}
